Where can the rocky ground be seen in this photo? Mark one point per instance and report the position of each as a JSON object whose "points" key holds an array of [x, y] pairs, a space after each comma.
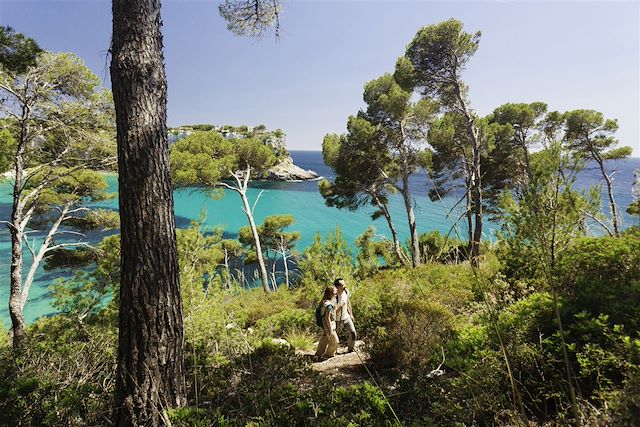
{"points": [[347, 368], [288, 171]]}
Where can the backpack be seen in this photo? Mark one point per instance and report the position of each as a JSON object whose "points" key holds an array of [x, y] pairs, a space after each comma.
{"points": [[319, 316]]}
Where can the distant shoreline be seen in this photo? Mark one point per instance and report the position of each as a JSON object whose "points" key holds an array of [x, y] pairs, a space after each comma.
{"points": [[10, 174]]}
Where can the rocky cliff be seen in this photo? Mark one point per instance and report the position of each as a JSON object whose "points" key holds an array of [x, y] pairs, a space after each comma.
{"points": [[286, 170]]}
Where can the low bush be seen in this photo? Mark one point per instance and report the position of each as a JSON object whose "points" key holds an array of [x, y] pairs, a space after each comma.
{"points": [[450, 285], [65, 376], [282, 322], [602, 276], [412, 334], [255, 388], [301, 339], [4, 337], [274, 387]]}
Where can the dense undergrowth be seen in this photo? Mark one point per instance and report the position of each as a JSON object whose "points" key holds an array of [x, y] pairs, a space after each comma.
{"points": [[494, 327]]}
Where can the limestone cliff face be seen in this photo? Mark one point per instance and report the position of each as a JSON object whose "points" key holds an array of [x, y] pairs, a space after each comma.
{"points": [[286, 170]]}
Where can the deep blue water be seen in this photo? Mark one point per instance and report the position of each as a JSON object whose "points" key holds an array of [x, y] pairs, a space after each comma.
{"points": [[303, 201]]}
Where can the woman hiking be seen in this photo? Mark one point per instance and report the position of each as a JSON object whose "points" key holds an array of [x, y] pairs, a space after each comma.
{"points": [[327, 317]]}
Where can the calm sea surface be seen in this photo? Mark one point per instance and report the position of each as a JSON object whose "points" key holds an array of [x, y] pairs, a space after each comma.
{"points": [[300, 199]]}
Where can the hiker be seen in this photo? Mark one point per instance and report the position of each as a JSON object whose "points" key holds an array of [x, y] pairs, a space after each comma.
{"points": [[344, 314], [327, 317]]}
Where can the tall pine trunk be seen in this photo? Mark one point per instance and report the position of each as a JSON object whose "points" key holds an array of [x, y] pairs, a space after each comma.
{"points": [[394, 234], [264, 277], [15, 309], [283, 248], [477, 204], [612, 201], [469, 213], [476, 176], [411, 218], [242, 184], [150, 374]]}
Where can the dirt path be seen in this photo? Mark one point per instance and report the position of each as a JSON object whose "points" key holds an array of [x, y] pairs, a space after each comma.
{"points": [[346, 368]]}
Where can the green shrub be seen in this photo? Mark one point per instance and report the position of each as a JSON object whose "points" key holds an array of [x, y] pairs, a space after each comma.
{"points": [[602, 276], [368, 299], [4, 337], [369, 253], [256, 387], [625, 404], [195, 417], [412, 334], [247, 307], [64, 375], [604, 355], [361, 405], [527, 319], [518, 262], [323, 262], [448, 285], [300, 339], [273, 387], [279, 324]]}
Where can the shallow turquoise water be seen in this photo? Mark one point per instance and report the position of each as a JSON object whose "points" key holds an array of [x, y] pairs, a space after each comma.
{"points": [[302, 200]]}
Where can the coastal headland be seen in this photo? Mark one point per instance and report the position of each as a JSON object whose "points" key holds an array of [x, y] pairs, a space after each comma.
{"points": [[284, 170]]}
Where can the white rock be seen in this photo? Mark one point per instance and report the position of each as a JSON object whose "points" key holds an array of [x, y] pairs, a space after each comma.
{"points": [[286, 170], [280, 341]]}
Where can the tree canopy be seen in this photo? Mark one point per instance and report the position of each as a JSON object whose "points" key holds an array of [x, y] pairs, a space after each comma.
{"points": [[439, 54], [57, 127], [206, 158], [17, 51]]}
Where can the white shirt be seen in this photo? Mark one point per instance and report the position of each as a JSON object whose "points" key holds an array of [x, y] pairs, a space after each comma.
{"points": [[342, 307]]}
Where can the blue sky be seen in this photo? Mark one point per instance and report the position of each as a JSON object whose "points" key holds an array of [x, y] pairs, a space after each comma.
{"points": [[570, 54]]}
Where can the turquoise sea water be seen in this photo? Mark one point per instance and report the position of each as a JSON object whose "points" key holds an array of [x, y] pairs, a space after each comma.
{"points": [[301, 199]]}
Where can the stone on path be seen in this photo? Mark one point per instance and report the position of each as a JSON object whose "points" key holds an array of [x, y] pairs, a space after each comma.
{"points": [[344, 366]]}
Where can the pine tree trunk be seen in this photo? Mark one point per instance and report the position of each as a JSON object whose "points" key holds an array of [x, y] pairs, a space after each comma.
{"points": [[286, 269], [527, 163], [477, 231], [226, 267], [396, 241], [15, 229], [469, 215], [15, 307], [476, 180], [274, 280], [283, 248], [411, 217], [256, 238], [150, 374], [612, 201]]}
